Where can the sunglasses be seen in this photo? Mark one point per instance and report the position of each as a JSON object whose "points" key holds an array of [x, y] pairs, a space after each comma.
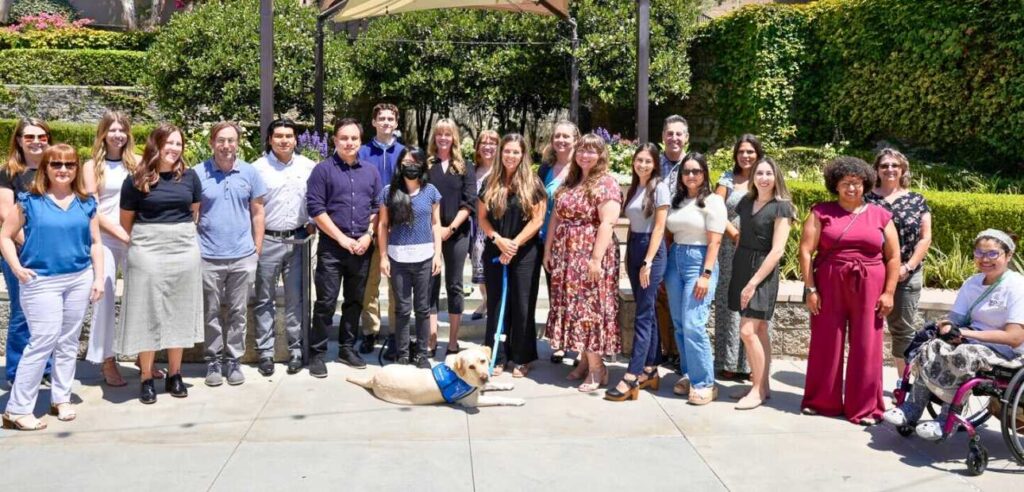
{"points": [[888, 165], [35, 138], [691, 172], [70, 166], [990, 254]]}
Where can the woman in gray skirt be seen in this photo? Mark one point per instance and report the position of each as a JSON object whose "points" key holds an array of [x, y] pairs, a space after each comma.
{"points": [[163, 303], [766, 212]]}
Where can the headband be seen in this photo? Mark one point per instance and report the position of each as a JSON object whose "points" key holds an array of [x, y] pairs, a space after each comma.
{"points": [[998, 236]]}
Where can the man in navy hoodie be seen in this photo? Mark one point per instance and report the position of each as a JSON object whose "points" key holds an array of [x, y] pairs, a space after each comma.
{"points": [[382, 151]]}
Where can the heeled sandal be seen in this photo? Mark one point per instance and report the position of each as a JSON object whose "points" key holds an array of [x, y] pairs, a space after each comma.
{"points": [[27, 422], [632, 391], [64, 412], [590, 386], [652, 381], [520, 370]]}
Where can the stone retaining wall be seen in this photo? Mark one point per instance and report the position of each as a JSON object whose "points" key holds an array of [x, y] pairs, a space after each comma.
{"points": [[85, 104]]}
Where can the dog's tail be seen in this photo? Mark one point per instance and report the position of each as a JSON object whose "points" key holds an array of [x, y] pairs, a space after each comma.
{"points": [[366, 383]]}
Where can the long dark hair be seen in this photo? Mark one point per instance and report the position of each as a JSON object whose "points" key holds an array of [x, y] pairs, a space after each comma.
{"points": [[758, 150], [652, 182], [399, 203], [705, 188]]}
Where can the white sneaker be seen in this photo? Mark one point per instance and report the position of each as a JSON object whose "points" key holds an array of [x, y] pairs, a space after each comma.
{"points": [[931, 430], [895, 417]]}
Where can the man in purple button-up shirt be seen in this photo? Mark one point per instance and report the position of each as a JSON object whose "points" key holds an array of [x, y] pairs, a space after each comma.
{"points": [[341, 197]]}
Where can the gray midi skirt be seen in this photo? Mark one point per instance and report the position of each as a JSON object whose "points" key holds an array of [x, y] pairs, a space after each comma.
{"points": [[162, 306]]}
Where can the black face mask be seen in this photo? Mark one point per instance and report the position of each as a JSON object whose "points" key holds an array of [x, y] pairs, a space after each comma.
{"points": [[412, 172]]}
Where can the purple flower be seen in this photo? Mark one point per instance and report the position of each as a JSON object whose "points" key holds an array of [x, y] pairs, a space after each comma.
{"points": [[315, 142], [603, 133]]}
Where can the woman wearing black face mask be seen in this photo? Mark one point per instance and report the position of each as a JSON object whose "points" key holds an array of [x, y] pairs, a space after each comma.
{"points": [[410, 250]]}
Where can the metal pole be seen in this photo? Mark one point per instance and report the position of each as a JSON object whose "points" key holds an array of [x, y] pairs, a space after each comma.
{"points": [[266, 66], [318, 60], [574, 77], [643, 67]]}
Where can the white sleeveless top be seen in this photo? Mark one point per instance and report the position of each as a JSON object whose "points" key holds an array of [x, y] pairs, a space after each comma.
{"points": [[110, 194]]}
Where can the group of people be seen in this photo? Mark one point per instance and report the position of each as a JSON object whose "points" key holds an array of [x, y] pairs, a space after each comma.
{"points": [[190, 242]]}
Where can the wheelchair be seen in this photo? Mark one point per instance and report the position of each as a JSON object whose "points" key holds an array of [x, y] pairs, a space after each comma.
{"points": [[998, 392]]}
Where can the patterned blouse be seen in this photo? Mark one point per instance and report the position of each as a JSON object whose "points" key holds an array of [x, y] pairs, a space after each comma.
{"points": [[907, 212]]}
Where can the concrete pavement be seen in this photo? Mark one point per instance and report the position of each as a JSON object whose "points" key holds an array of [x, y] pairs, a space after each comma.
{"points": [[300, 433]]}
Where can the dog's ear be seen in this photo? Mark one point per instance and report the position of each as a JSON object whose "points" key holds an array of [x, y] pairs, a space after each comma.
{"points": [[487, 351], [458, 365]]}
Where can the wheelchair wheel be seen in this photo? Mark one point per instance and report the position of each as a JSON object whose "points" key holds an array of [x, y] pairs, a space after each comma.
{"points": [[1013, 417], [977, 458], [975, 409]]}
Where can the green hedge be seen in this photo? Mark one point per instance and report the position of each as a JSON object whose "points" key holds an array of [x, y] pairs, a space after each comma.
{"points": [[71, 67], [69, 39], [943, 76], [77, 135], [955, 216]]}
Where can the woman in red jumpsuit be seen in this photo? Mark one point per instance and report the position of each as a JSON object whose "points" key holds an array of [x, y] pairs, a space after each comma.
{"points": [[849, 290]]}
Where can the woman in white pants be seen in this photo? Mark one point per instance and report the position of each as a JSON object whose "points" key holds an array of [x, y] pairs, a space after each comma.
{"points": [[62, 242], [113, 160]]}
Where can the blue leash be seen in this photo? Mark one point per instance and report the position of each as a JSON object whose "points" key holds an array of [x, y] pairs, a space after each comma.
{"points": [[498, 335]]}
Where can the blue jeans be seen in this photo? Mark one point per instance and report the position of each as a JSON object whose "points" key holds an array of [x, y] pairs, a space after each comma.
{"points": [[17, 326], [690, 316], [645, 328]]}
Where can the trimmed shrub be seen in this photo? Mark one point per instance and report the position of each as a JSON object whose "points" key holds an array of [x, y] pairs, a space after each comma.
{"points": [[70, 67], [21, 8], [204, 64], [73, 39], [77, 135]]}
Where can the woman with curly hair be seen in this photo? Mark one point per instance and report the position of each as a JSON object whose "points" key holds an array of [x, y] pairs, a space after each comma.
{"points": [[849, 288], [584, 263]]}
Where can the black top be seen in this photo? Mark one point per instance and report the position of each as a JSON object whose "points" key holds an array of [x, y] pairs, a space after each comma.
{"points": [[20, 183], [757, 230], [458, 191], [511, 223], [168, 201], [906, 211]]}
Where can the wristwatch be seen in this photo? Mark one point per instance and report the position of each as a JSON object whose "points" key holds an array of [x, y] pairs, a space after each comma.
{"points": [[707, 273], [810, 290], [645, 264]]}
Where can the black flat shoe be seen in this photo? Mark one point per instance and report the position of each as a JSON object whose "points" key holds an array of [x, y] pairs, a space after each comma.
{"points": [[266, 366], [367, 345], [294, 364], [557, 358], [175, 386], [448, 351], [147, 394]]}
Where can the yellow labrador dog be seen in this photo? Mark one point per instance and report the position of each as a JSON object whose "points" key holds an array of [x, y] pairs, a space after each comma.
{"points": [[463, 377]]}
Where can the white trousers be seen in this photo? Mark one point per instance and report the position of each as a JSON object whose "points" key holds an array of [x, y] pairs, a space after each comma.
{"points": [[54, 307], [101, 334]]}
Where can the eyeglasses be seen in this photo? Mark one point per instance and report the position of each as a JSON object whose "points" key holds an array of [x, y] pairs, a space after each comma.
{"points": [[42, 138], [989, 254], [70, 166], [691, 172], [888, 165]]}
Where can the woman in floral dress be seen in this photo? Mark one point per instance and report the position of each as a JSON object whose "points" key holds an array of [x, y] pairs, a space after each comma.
{"points": [[584, 263]]}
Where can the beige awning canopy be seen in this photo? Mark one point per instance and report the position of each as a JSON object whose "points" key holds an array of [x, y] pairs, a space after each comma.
{"points": [[361, 9]]}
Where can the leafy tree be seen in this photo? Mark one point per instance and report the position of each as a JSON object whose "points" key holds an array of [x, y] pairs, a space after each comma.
{"points": [[204, 64]]}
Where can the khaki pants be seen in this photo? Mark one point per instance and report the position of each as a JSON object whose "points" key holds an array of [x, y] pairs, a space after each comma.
{"points": [[370, 322]]}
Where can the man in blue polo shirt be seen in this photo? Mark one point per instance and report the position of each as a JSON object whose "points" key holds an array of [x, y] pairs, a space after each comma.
{"points": [[382, 151], [230, 240]]}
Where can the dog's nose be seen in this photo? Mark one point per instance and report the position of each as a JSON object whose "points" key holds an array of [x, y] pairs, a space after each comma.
{"points": [[484, 377]]}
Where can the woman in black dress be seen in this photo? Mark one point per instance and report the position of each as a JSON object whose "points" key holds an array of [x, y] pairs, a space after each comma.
{"points": [[766, 214]]}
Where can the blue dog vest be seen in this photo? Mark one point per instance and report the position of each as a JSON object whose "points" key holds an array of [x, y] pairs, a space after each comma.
{"points": [[452, 387]]}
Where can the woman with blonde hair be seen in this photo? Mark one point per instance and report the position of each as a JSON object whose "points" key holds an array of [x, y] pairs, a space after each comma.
{"points": [[60, 268], [555, 162], [113, 160], [511, 211], [163, 290], [584, 263], [484, 157], [28, 143], [456, 181]]}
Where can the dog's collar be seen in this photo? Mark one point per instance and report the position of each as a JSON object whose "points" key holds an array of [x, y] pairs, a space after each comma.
{"points": [[452, 387]]}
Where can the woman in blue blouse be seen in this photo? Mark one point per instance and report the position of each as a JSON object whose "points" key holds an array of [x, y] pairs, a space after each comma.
{"points": [[62, 242]]}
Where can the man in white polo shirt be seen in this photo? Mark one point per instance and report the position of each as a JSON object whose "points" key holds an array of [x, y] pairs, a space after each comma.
{"points": [[284, 172]]}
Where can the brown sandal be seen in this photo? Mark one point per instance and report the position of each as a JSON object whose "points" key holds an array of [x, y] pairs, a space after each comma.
{"points": [[22, 422], [520, 370]]}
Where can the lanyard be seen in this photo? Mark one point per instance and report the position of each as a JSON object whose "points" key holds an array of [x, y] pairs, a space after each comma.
{"points": [[982, 298]]}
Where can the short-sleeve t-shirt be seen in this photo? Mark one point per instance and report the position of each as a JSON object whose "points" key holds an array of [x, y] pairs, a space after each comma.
{"points": [[169, 201], [413, 242], [1005, 304], [758, 229], [907, 213], [639, 221], [689, 224], [57, 241], [19, 183]]}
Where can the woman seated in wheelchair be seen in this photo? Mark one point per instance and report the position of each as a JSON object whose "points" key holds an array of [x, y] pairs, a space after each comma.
{"points": [[985, 329]]}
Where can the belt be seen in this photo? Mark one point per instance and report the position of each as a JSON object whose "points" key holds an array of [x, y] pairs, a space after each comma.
{"points": [[283, 234]]}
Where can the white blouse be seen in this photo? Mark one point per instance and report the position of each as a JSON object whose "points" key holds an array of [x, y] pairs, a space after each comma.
{"points": [[689, 224]]}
